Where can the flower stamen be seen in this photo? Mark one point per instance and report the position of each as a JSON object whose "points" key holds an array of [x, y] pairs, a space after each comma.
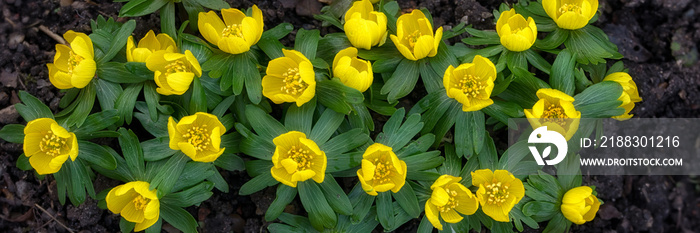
{"points": [[555, 114], [52, 144], [452, 203], [233, 30], [382, 172], [497, 193], [413, 38], [198, 137], [570, 8], [140, 203], [293, 84], [73, 61], [302, 157], [470, 85], [176, 67]]}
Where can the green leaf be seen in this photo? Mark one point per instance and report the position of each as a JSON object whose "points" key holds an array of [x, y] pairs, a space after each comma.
{"points": [[335, 95], [253, 81], [198, 103], [553, 39], [591, 45], [502, 110], [320, 213], [230, 162], [191, 196], [453, 163], [285, 195], [131, 72], [300, 118], [32, 108], [131, 148], [326, 125], [126, 102], [178, 217], [385, 210], [271, 46], [345, 142], [119, 40], [218, 181], [126, 226], [169, 173], [258, 183], [557, 224], [488, 158], [68, 98], [538, 61], [23, 163], [156, 149], [402, 81], [407, 200], [86, 100], [98, 121], [96, 155], [152, 98], [167, 19], [331, 44], [386, 65], [12, 133], [107, 93], [431, 80], [335, 196], [214, 4], [306, 42], [361, 203], [158, 128], [469, 133], [193, 173], [265, 125], [562, 77], [599, 100], [135, 8]]}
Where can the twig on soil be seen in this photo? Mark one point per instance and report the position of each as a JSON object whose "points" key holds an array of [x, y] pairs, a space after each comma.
{"points": [[54, 218], [53, 35]]}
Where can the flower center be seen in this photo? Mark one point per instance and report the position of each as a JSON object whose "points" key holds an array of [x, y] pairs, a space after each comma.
{"points": [[413, 38], [570, 8], [198, 137], [382, 171], [52, 144], [232, 30], [555, 114], [451, 203], [497, 193], [470, 86], [140, 203], [302, 157], [73, 61], [292, 82], [176, 67]]}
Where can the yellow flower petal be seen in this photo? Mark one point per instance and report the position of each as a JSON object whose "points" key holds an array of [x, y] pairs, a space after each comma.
{"points": [[431, 212]]}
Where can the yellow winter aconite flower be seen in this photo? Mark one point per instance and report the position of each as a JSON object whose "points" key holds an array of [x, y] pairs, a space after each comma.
{"points": [[629, 95], [73, 66], [147, 45], [236, 33], [498, 192], [555, 109], [579, 205], [297, 159], [365, 27], [381, 170], [516, 33], [136, 203], [351, 70], [449, 197], [48, 145], [198, 136], [173, 72], [414, 36], [570, 14], [471, 83], [290, 79]]}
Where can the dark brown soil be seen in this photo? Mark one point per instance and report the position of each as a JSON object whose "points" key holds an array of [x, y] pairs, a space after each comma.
{"points": [[657, 37]]}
